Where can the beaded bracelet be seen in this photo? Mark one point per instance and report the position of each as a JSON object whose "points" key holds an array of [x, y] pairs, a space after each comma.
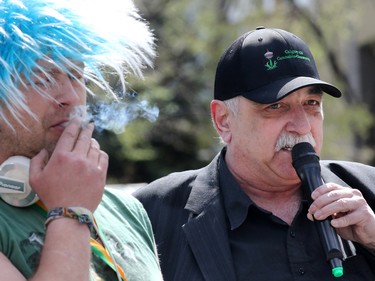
{"points": [[81, 214]]}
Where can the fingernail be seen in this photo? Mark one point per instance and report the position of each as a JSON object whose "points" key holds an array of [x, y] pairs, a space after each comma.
{"points": [[310, 216]]}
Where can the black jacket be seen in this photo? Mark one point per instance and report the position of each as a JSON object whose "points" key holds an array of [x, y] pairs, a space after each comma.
{"points": [[190, 227]]}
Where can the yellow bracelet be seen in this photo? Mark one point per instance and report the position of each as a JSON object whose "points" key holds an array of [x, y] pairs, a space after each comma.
{"points": [[81, 214]]}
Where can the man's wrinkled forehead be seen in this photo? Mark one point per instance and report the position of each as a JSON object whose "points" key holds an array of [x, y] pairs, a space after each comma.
{"points": [[52, 66]]}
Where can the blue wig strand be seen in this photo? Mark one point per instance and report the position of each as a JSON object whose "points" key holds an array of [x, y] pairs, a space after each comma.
{"points": [[104, 35]]}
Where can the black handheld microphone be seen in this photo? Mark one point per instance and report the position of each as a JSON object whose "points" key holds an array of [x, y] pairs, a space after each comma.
{"points": [[306, 163]]}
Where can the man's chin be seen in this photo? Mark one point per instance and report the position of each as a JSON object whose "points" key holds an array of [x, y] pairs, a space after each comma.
{"points": [[51, 145], [50, 148]]}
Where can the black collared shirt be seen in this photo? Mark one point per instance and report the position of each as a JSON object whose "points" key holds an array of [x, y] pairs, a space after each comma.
{"points": [[264, 247]]}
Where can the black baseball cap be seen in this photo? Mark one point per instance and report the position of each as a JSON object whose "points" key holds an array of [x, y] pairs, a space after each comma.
{"points": [[265, 65]]}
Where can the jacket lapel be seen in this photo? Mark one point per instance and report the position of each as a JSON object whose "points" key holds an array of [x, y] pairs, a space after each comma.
{"points": [[329, 176], [206, 231]]}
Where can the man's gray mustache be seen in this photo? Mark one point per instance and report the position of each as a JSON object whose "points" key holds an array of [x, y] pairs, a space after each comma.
{"points": [[287, 140]]}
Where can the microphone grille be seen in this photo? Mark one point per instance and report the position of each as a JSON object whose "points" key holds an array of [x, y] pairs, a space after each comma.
{"points": [[303, 153]]}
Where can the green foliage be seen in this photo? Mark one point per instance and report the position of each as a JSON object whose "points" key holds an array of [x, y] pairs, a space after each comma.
{"points": [[343, 125]]}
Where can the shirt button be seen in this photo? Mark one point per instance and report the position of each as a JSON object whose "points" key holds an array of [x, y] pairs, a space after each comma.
{"points": [[301, 271], [292, 233]]}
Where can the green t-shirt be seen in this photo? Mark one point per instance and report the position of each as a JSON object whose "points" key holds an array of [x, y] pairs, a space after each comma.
{"points": [[124, 225]]}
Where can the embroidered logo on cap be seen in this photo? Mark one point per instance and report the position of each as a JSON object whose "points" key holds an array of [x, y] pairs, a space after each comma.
{"points": [[288, 54], [271, 64], [293, 54]]}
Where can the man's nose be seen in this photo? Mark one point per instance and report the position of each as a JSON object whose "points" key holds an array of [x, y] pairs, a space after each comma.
{"points": [[69, 91], [299, 121]]}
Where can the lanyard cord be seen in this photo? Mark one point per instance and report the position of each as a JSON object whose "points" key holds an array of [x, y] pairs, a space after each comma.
{"points": [[103, 251]]}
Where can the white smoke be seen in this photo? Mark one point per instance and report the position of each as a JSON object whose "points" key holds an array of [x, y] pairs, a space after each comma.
{"points": [[116, 115]]}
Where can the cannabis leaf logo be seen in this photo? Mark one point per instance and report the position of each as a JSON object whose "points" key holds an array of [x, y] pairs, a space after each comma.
{"points": [[271, 64]]}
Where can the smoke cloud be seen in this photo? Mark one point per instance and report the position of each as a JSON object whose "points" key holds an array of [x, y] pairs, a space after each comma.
{"points": [[116, 115]]}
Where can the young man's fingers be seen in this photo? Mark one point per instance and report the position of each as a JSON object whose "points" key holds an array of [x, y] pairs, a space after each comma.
{"points": [[68, 138]]}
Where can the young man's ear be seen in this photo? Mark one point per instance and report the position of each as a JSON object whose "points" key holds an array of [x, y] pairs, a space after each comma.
{"points": [[220, 118]]}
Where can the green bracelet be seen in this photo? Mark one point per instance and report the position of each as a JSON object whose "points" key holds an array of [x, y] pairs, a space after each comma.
{"points": [[81, 214]]}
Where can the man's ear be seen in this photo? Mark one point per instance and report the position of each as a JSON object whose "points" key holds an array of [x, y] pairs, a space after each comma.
{"points": [[221, 119]]}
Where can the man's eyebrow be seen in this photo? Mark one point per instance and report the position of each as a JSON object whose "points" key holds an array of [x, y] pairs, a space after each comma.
{"points": [[43, 69]]}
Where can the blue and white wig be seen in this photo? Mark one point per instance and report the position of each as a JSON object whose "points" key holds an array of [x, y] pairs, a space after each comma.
{"points": [[105, 35]]}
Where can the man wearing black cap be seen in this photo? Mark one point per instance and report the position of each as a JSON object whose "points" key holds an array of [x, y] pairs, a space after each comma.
{"points": [[244, 216]]}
